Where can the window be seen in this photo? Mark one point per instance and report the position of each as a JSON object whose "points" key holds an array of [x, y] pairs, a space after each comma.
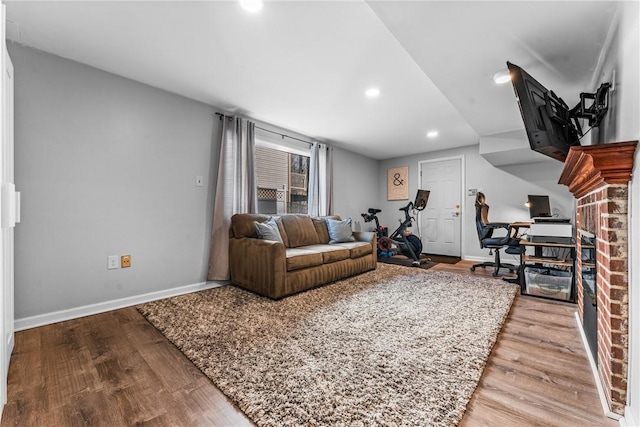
{"points": [[282, 175]]}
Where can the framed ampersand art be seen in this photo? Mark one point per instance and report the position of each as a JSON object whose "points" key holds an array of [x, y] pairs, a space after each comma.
{"points": [[398, 183]]}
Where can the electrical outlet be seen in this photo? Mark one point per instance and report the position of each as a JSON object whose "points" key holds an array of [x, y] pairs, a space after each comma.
{"points": [[112, 262], [125, 261]]}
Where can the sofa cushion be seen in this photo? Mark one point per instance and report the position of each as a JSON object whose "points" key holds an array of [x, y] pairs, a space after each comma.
{"points": [[299, 230], [340, 231], [283, 233], [330, 253], [268, 230], [298, 258], [356, 249], [321, 230]]}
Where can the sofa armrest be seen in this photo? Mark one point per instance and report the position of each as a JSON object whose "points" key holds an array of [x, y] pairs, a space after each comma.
{"points": [[257, 264], [367, 236], [364, 236]]}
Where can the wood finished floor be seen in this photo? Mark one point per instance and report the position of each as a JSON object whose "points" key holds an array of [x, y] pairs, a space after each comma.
{"points": [[115, 369]]}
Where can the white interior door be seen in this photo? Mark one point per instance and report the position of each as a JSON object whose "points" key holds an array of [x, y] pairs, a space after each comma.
{"points": [[440, 224], [8, 213]]}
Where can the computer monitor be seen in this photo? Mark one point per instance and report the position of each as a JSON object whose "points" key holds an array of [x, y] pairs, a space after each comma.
{"points": [[422, 197], [539, 206]]}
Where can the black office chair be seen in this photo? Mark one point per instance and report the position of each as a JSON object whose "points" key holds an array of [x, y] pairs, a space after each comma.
{"points": [[494, 244]]}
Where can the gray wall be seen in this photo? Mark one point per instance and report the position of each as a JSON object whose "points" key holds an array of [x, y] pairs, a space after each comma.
{"points": [[355, 186], [106, 166], [620, 66], [506, 189]]}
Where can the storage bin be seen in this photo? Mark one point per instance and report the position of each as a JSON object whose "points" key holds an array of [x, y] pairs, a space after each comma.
{"points": [[548, 282]]}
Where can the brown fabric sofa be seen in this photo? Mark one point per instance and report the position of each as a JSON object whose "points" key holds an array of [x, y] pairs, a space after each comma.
{"points": [[304, 259]]}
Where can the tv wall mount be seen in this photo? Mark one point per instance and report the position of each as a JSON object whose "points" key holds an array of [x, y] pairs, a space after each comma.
{"points": [[599, 104]]}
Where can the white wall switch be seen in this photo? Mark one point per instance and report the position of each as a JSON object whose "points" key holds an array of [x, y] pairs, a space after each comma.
{"points": [[199, 181], [112, 262]]}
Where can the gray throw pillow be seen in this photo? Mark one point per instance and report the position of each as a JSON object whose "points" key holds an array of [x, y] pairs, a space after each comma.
{"points": [[340, 231], [268, 230]]}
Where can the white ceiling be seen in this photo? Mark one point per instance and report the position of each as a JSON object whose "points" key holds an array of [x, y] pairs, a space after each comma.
{"points": [[304, 65]]}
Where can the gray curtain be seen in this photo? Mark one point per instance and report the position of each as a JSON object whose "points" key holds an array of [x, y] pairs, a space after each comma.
{"points": [[235, 189], [320, 180]]}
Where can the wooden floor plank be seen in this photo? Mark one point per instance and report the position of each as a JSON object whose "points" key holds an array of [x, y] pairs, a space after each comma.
{"points": [[116, 369]]}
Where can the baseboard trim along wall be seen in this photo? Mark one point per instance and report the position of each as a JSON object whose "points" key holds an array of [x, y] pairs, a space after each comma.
{"points": [[628, 420], [88, 310], [606, 410], [504, 259]]}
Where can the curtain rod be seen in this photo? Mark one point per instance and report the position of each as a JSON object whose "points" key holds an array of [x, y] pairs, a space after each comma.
{"points": [[267, 130], [285, 136]]}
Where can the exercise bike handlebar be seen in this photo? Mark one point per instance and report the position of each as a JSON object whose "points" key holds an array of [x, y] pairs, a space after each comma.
{"points": [[407, 208], [371, 216]]}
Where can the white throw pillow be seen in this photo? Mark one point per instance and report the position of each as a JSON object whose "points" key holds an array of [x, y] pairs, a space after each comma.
{"points": [[340, 231], [268, 230]]}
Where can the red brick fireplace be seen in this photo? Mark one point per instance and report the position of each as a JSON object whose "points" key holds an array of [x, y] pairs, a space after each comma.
{"points": [[598, 177]]}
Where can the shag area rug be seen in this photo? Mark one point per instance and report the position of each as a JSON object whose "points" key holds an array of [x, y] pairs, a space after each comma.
{"points": [[394, 346]]}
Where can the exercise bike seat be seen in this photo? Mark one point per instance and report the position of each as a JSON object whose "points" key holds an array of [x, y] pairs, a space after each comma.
{"points": [[374, 211]]}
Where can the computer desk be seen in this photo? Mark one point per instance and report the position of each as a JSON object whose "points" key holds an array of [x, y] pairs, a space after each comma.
{"points": [[520, 224], [516, 226]]}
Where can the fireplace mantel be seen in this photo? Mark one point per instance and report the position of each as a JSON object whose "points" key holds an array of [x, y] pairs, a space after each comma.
{"points": [[593, 166]]}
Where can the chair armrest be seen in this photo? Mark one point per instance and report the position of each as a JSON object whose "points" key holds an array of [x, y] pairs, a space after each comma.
{"points": [[490, 227], [498, 225]]}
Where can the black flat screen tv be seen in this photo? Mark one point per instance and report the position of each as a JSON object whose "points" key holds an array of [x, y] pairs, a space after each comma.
{"points": [[551, 128]]}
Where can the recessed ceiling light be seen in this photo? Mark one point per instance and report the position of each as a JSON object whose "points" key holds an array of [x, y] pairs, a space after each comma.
{"points": [[251, 5], [432, 133], [502, 77], [372, 92]]}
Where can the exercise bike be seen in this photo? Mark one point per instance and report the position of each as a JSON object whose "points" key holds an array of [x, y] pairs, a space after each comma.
{"points": [[401, 240]]}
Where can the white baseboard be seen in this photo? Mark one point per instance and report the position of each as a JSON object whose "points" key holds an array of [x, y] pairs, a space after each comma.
{"points": [[88, 310], [594, 370], [504, 259], [477, 259], [628, 420]]}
